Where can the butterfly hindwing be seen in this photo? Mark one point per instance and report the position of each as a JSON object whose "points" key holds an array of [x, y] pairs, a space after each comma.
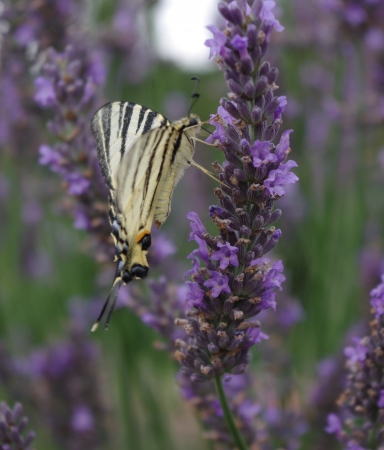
{"points": [[180, 160]]}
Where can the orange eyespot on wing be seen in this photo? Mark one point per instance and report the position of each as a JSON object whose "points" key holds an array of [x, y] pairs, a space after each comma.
{"points": [[144, 239], [140, 236]]}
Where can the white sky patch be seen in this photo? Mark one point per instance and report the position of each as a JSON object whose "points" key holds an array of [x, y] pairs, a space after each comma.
{"points": [[180, 31]]}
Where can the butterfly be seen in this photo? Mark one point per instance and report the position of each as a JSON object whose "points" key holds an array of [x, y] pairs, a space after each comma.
{"points": [[142, 156]]}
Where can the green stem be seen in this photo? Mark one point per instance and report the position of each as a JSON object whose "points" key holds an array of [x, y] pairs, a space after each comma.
{"points": [[229, 419]]}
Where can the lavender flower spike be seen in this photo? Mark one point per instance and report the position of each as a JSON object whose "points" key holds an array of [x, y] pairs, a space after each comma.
{"points": [[359, 423], [233, 281], [12, 426]]}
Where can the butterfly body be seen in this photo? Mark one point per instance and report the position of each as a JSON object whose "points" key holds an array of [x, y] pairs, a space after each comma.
{"points": [[142, 156]]}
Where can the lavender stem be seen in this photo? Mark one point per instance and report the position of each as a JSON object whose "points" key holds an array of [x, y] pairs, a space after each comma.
{"points": [[228, 416]]}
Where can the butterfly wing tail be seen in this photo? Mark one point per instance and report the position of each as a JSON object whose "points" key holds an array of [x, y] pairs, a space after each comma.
{"points": [[109, 305]]}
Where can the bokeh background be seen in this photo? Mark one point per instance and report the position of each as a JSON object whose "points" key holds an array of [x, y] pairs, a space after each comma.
{"points": [[117, 389]]}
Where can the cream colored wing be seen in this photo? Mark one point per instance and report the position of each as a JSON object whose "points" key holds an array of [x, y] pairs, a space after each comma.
{"points": [[116, 127], [181, 161]]}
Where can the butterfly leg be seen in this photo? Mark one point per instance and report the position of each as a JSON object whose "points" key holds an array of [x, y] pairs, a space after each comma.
{"points": [[207, 172]]}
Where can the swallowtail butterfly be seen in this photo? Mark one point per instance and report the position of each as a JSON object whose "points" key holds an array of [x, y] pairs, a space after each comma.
{"points": [[142, 156]]}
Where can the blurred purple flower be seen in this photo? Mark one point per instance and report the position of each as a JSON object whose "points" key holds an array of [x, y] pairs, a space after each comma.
{"points": [[356, 424], [290, 313], [66, 390], [354, 14], [374, 39], [67, 87], [267, 15], [357, 353], [380, 402], [50, 157], [334, 425], [45, 94], [81, 221], [12, 427], [31, 212], [77, 184], [82, 419]]}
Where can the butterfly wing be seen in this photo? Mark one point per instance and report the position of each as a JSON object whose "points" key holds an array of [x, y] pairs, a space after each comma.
{"points": [[116, 127], [179, 162]]}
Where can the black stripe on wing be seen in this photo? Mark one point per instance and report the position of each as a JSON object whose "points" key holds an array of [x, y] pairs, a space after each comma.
{"points": [[101, 130], [142, 112], [155, 153], [127, 120], [149, 121], [159, 151]]}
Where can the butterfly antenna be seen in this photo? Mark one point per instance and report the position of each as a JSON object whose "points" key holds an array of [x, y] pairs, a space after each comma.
{"points": [[105, 306], [195, 96]]}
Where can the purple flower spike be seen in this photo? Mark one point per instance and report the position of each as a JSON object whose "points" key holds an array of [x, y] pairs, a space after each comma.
{"points": [[241, 281], [67, 86], [232, 281], [226, 255], [357, 424]]}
